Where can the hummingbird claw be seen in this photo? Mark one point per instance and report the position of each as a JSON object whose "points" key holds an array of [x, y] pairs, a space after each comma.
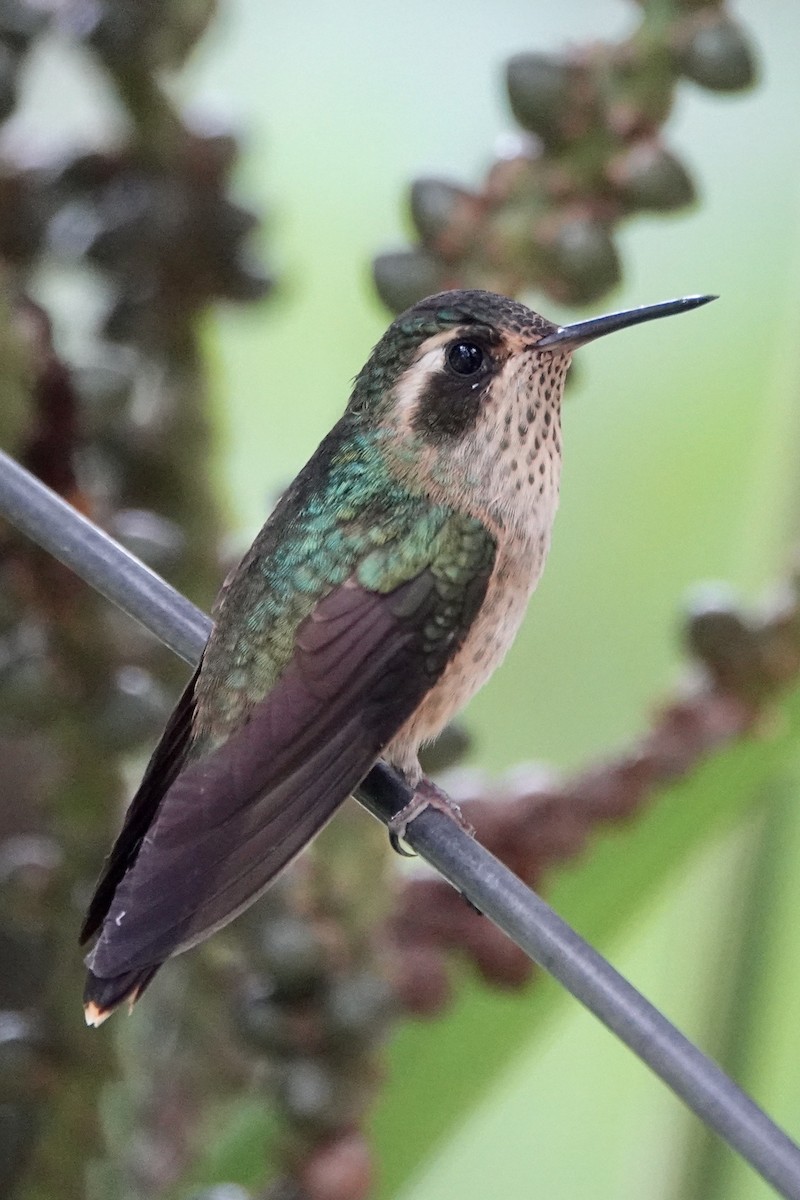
{"points": [[426, 795], [396, 842]]}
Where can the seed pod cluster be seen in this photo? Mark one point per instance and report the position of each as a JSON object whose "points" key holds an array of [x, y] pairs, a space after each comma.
{"points": [[590, 155], [121, 433], [168, 239], [313, 1007]]}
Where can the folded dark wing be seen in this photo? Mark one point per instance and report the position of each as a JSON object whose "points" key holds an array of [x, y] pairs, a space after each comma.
{"points": [[234, 818], [162, 770]]}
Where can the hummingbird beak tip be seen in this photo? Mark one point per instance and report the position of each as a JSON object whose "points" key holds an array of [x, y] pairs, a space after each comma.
{"points": [[571, 337]]}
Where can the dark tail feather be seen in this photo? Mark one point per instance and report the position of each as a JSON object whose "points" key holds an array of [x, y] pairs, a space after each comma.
{"points": [[102, 996]]}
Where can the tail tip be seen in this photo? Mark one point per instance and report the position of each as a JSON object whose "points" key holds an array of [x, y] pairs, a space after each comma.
{"points": [[103, 996], [95, 1015]]}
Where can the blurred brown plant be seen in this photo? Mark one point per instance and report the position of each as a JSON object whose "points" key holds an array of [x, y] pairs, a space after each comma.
{"points": [[120, 436]]}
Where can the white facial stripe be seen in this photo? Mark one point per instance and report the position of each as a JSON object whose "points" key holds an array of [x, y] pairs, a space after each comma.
{"points": [[430, 359], [413, 380]]}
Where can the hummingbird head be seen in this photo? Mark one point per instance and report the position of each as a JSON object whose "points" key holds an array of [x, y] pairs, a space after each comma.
{"points": [[467, 386]]}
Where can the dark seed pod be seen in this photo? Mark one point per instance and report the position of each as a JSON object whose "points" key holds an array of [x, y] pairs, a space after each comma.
{"points": [[135, 314], [233, 222], [724, 641], [277, 1028], [435, 205], [779, 637], [86, 172], [22, 215], [309, 1093], [584, 262], [134, 710], [9, 69], [19, 1132], [212, 150], [358, 1005], [121, 31], [406, 276], [20, 23], [20, 1051], [292, 956], [541, 91], [30, 868], [450, 747], [242, 279], [715, 53], [105, 392], [648, 177], [28, 690]]}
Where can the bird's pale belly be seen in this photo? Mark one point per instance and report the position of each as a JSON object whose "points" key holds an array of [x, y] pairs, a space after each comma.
{"points": [[515, 576]]}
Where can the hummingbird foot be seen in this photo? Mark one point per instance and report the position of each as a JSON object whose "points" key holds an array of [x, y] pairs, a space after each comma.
{"points": [[426, 795]]}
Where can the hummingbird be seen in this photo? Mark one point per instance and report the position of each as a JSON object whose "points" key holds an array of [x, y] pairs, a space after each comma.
{"points": [[380, 595]]}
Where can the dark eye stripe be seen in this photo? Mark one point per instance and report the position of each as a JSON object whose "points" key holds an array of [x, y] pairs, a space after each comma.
{"points": [[450, 401]]}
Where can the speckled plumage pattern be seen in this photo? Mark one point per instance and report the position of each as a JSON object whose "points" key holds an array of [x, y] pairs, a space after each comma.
{"points": [[506, 474]]}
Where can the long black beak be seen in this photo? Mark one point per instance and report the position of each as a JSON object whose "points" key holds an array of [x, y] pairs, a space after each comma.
{"points": [[569, 337]]}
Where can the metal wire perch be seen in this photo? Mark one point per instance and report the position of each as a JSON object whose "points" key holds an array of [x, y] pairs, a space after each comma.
{"points": [[467, 865]]}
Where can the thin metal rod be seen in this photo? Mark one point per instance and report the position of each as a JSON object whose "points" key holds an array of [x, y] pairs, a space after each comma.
{"points": [[554, 945], [102, 562], [467, 865]]}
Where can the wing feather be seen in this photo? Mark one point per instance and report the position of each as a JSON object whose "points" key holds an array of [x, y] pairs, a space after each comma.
{"points": [[232, 819], [210, 828], [162, 770]]}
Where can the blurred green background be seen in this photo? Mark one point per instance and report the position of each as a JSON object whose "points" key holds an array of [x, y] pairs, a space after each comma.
{"points": [[681, 445], [681, 451]]}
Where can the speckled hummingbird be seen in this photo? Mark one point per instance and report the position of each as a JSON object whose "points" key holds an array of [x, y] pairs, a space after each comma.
{"points": [[382, 592]]}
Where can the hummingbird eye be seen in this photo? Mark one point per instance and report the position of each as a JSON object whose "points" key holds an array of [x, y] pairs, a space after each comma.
{"points": [[465, 358]]}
